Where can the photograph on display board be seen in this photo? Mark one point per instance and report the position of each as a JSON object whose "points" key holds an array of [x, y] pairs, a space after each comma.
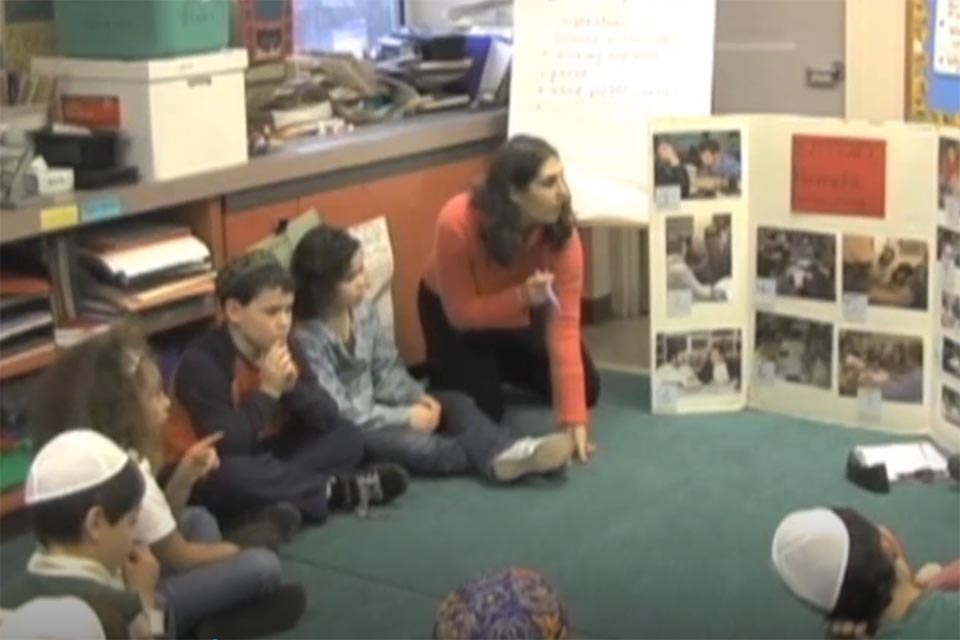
{"points": [[891, 363], [803, 264], [950, 356], [700, 363], [799, 350], [950, 405], [948, 174], [890, 272], [704, 164], [699, 256], [949, 311], [948, 247]]}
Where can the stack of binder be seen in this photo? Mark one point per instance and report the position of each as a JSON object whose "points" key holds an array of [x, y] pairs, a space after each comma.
{"points": [[26, 317], [136, 269]]}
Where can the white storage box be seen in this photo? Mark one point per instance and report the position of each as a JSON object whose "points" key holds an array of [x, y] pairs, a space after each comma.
{"points": [[183, 115]]}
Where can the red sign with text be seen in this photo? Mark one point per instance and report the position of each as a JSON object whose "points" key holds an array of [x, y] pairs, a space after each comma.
{"points": [[839, 176]]}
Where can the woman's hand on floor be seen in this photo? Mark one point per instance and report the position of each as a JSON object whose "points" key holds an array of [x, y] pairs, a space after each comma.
{"points": [[583, 447]]}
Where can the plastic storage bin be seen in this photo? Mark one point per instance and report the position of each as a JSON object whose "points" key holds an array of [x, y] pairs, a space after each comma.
{"points": [[98, 151], [139, 29], [265, 28], [181, 115]]}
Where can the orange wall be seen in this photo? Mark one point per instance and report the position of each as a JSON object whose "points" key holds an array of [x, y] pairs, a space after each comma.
{"points": [[410, 203]]}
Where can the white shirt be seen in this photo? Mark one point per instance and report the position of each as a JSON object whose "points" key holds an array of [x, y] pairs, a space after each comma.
{"points": [[155, 521]]}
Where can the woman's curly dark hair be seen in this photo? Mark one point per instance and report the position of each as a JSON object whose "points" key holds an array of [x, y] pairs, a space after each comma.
{"points": [[97, 384], [321, 261], [515, 166]]}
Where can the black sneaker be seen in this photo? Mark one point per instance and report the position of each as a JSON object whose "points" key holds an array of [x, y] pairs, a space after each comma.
{"points": [[271, 526], [378, 484], [272, 613]]}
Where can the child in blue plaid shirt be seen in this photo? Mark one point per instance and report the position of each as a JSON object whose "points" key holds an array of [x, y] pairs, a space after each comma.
{"points": [[357, 363]]}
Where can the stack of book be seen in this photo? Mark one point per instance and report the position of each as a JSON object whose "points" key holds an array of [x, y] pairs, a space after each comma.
{"points": [[142, 269], [26, 317]]}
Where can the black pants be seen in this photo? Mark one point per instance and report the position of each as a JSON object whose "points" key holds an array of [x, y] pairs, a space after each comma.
{"points": [[293, 467], [479, 362]]}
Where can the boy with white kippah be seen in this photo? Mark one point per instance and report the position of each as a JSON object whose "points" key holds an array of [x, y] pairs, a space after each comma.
{"points": [[84, 495], [856, 572]]}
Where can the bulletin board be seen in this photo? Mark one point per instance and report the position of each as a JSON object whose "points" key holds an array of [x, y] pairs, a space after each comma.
{"points": [[933, 80]]}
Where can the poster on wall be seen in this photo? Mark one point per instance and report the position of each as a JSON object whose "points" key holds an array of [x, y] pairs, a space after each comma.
{"points": [[838, 176], [946, 37], [890, 272], [702, 164], [374, 237]]}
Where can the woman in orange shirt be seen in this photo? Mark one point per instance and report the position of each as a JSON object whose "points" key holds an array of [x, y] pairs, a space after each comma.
{"points": [[500, 297]]}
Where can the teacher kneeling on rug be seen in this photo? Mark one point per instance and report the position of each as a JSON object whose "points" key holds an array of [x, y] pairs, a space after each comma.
{"points": [[500, 298]]}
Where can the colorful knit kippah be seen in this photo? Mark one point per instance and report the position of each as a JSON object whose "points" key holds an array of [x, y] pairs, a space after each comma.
{"points": [[514, 603]]}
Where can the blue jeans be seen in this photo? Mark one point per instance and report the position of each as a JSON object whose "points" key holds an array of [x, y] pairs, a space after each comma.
{"points": [[466, 441], [213, 588]]}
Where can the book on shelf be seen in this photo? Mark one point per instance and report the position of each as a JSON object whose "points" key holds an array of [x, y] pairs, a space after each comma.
{"points": [[77, 331], [62, 267], [25, 324], [14, 284], [133, 300], [131, 236], [31, 356], [126, 265], [20, 304], [26, 315]]}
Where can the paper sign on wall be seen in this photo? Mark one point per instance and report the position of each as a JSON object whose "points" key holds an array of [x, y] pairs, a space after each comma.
{"points": [[839, 176], [374, 237], [946, 38]]}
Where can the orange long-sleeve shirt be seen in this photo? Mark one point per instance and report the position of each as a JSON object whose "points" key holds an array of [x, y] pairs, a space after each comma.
{"points": [[478, 293]]}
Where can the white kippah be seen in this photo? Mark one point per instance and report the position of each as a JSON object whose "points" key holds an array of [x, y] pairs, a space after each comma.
{"points": [[810, 552], [70, 463]]}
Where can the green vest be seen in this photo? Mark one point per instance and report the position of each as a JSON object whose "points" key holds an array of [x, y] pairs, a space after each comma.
{"points": [[115, 609]]}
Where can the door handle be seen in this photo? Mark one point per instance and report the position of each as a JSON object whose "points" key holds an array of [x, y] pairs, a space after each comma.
{"points": [[826, 78]]}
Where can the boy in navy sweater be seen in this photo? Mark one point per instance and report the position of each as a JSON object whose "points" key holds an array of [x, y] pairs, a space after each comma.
{"points": [[283, 438]]}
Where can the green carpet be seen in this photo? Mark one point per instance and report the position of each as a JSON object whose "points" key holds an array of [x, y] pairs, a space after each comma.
{"points": [[667, 534]]}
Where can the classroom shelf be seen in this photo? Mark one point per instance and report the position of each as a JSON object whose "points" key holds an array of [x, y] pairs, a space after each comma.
{"points": [[27, 362], [11, 501], [152, 322], [296, 161], [158, 321]]}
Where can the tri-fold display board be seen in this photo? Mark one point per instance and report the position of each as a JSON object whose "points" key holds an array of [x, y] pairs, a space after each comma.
{"points": [[809, 267]]}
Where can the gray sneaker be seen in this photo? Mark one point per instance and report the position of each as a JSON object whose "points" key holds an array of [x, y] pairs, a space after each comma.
{"points": [[529, 456]]}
